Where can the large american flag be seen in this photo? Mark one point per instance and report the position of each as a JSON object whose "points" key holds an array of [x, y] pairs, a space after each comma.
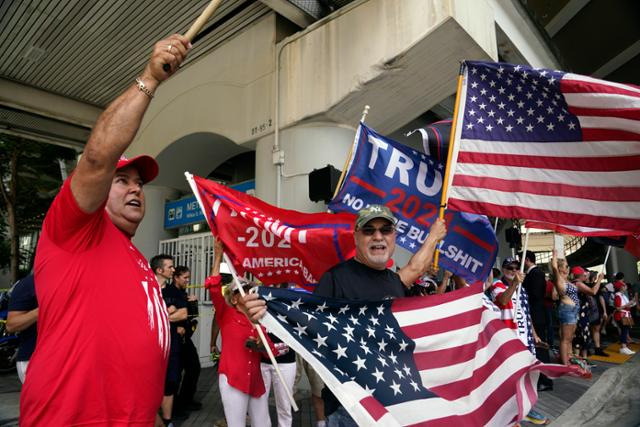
{"points": [[547, 146], [437, 360]]}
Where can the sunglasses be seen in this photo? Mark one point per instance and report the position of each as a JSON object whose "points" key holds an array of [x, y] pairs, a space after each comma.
{"points": [[385, 230]]}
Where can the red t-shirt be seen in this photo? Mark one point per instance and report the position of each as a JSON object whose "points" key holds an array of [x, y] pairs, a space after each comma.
{"points": [[240, 364], [103, 330], [506, 311]]}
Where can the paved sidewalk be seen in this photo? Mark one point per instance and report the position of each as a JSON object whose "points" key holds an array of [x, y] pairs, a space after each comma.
{"points": [[566, 391], [207, 393]]}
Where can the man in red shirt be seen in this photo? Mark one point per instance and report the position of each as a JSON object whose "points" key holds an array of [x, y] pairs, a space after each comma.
{"points": [[103, 332]]}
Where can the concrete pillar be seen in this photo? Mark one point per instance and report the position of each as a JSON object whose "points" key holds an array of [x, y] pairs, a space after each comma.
{"points": [[306, 147], [151, 230], [621, 260]]}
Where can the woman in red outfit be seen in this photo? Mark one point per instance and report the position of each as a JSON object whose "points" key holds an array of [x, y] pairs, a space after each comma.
{"points": [[239, 376]]}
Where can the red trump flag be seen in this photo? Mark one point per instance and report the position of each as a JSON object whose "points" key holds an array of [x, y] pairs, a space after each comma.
{"points": [[275, 245]]}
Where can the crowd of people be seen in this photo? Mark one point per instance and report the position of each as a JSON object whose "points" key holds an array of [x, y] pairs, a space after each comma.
{"points": [[114, 330]]}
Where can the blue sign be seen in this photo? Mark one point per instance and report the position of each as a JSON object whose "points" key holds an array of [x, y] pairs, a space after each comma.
{"points": [[386, 172], [179, 213]]}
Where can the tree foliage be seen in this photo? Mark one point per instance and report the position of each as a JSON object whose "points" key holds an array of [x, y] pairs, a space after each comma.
{"points": [[30, 177]]}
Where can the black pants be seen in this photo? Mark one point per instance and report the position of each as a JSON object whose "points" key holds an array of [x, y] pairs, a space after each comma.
{"points": [[191, 367], [542, 354]]}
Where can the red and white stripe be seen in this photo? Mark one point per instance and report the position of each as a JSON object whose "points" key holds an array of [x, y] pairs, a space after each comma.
{"points": [[479, 370], [591, 183], [478, 367]]}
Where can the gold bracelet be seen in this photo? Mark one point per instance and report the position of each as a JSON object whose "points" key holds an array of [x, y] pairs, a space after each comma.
{"points": [[143, 88]]}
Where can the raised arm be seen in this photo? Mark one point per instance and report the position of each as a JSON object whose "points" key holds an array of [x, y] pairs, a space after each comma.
{"points": [[214, 282], [218, 250], [557, 280], [421, 260], [118, 124], [504, 298], [586, 289]]}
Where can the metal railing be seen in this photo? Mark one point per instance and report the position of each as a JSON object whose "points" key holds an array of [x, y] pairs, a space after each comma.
{"points": [[196, 252], [571, 244]]}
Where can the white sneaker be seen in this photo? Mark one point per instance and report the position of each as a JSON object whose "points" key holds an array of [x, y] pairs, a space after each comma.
{"points": [[627, 351]]}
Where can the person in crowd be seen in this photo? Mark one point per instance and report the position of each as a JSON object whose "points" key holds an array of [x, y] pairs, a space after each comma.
{"points": [[569, 305], [316, 384], [586, 290], [504, 296], [582, 336], [597, 311], [623, 316], [535, 284], [609, 298], [635, 310], [239, 376], [162, 266], [366, 277], [515, 313], [189, 359], [446, 284], [22, 317], [550, 299], [428, 286], [287, 365], [102, 350]]}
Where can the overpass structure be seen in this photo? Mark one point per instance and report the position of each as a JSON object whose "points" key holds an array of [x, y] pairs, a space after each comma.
{"points": [[274, 89]]}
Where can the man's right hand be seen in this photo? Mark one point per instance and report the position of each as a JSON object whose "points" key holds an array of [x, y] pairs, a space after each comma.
{"points": [[519, 277], [118, 124], [254, 307], [171, 51]]}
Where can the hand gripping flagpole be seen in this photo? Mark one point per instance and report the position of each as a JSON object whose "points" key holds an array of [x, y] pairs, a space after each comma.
{"points": [[365, 112], [238, 285], [452, 141], [197, 25]]}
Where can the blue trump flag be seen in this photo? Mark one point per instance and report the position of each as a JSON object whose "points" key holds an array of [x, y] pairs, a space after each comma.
{"points": [[383, 171]]}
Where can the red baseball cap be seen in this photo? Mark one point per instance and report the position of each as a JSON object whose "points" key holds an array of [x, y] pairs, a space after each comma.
{"points": [[618, 285], [146, 165], [577, 271]]}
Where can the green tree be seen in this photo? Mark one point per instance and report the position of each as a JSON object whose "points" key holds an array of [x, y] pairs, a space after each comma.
{"points": [[29, 180]]}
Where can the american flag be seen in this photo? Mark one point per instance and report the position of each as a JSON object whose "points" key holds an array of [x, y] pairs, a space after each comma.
{"points": [[432, 360], [548, 146]]}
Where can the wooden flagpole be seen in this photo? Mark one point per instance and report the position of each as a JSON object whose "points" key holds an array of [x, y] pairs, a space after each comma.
{"points": [[238, 285], [197, 25], [445, 181], [365, 112]]}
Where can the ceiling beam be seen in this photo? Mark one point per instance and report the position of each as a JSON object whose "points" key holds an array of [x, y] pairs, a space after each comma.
{"points": [[27, 98], [564, 16], [618, 61], [291, 12]]}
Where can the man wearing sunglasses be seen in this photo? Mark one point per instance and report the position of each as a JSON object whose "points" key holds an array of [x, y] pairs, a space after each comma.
{"points": [[503, 294], [366, 276]]}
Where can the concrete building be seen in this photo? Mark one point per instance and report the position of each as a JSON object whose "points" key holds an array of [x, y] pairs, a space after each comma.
{"points": [[274, 89]]}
